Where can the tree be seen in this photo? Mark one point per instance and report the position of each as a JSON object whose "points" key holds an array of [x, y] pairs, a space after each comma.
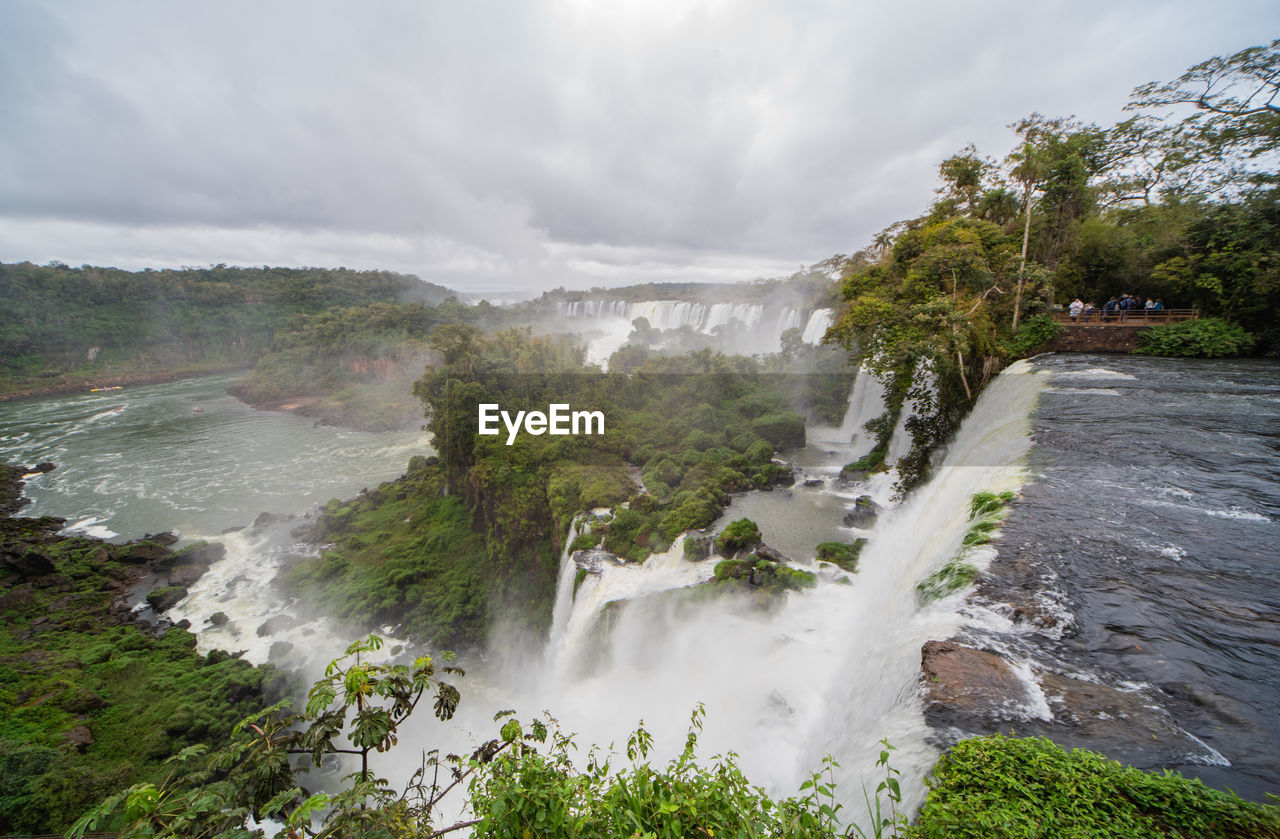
{"points": [[963, 175], [1236, 119], [355, 709]]}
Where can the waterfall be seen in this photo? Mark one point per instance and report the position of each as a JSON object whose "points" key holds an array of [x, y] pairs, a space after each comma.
{"points": [[819, 323], [828, 670], [564, 585], [901, 441], [866, 402], [737, 327], [661, 572]]}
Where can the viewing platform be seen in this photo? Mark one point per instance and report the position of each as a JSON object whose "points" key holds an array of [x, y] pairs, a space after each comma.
{"points": [[1111, 332]]}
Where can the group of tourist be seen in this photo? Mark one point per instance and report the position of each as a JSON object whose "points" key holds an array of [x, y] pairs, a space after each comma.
{"points": [[1113, 309]]}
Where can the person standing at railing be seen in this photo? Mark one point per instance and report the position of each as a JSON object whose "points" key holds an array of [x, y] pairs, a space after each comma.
{"points": [[1159, 305], [1109, 309], [1076, 307], [1151, 304]]}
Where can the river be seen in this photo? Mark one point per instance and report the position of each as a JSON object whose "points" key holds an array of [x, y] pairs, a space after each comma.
{"points": [[1149, 510], [187, 457]]}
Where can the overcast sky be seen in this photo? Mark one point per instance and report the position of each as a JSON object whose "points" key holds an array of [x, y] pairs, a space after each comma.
{"points": [[497, 146]]}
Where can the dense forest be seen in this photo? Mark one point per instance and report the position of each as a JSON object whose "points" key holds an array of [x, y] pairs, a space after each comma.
{"points": [[77, 327]]}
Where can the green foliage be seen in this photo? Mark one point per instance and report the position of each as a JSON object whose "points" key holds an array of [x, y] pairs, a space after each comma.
{"points": [[986, 512], [1200, 338], [584, 541], [989, 503], [1004, 786], [765, 574], [355, 709], [1034, 335], [68, 661], [842, 554], [953, 576], [539, 791], [402, 554], [740, 535]]}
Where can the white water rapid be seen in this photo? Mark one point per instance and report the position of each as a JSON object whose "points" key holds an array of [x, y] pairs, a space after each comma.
{"points": [[830, 670]]}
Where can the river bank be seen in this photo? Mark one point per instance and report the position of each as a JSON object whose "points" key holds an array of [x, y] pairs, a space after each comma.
{"points": [[98, 690], [13, 389]]}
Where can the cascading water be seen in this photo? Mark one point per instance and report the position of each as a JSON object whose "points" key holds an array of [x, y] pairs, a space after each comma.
{"points": [[828, 670], [817, 326], [866, 402], [739, 327]]}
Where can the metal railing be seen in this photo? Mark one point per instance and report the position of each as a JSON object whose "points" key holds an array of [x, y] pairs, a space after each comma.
{"points": [[1132, 317]]}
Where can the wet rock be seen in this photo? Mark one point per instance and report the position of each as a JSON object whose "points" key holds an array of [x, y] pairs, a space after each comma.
{"points": [[593, 560], [45, 466], [813, 482], [163, 599], [219, 619], [79, 737], [968, 688], [16, 599], [853, 476], [863, 512], [1125, 725], [143, 551], [763, 551], [168, 538], [187, 575], [279, 650], [201, 553], [698, 546], [268, 519], [276, 624], [27, 561]]}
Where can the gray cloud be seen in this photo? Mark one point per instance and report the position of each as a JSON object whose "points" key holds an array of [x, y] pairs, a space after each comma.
{"points": [[500, 144]]}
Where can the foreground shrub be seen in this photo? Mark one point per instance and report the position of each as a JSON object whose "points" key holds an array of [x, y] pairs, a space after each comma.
{"points": [[1002, 786], [1200, 338]]}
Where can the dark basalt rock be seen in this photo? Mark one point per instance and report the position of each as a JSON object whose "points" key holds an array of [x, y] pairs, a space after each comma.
{"points": [[163, 599], [863, 512], [763, 551], [267, 519], [203, 554], [853, 476], [276, 624], [968, 688], [80, 737], [187, 575], [698, 546], [219, 619], [978, 692], [34, 561], [140, 552], [593, 560]]}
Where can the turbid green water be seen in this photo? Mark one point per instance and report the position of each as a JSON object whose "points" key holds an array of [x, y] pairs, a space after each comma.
{"points": [[185, 456]]}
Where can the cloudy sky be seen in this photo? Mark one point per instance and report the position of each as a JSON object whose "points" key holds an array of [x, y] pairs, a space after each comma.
{"points": [[498, 146]]}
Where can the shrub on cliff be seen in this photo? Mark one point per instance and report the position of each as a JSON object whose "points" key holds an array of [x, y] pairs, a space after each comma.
{"points": [[1200, 338]]}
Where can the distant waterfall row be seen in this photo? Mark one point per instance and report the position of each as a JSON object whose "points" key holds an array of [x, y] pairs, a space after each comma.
{"points": [[741, 327]]}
